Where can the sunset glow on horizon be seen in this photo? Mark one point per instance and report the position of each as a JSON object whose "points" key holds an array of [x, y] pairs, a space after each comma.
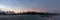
{"points": [[17, 10], [6, 8], [23, 10]]}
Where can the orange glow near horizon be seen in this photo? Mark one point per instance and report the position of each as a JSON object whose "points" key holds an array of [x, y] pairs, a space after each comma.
{"points": [[23, 10]]}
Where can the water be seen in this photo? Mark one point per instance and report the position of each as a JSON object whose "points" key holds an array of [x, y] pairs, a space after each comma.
{"points": [[56, 17], [27, 17]]}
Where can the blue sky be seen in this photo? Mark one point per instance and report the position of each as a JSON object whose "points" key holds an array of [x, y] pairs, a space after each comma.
{"points": [[45, 5]]}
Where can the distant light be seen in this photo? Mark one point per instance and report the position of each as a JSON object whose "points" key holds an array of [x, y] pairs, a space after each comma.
{"points": [[11, 10]]}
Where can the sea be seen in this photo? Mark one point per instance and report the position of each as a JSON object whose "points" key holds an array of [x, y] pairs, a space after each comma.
{"points": [[28, 17]]}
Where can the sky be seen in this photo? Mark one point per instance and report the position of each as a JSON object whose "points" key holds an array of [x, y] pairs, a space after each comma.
{"points": [[33, 5]]}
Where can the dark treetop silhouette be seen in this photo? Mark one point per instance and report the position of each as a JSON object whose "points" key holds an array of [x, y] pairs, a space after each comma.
{"points": [[28, 13]]}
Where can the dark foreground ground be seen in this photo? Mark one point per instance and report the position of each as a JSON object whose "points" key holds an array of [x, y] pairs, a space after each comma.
{"points": [[27, 17]]}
